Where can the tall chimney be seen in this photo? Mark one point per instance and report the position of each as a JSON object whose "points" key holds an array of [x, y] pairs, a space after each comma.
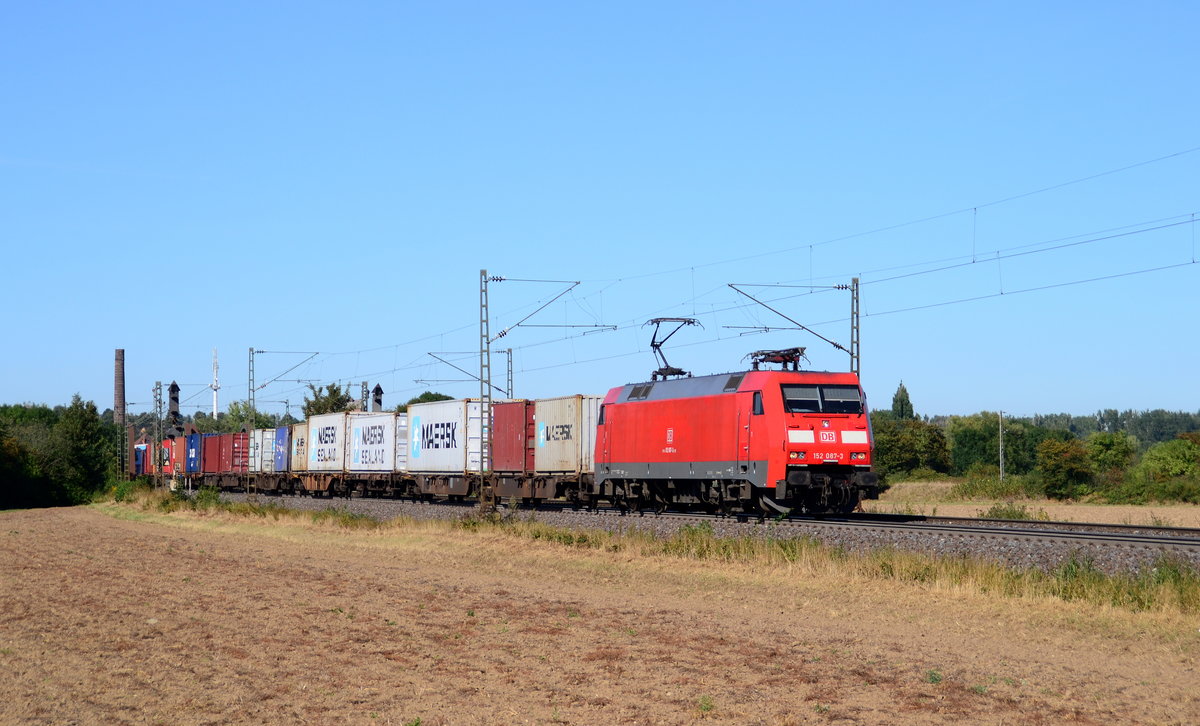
{"points": [[119, 389], [119, 409]]}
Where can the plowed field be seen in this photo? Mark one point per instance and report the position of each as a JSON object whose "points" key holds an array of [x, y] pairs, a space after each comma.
{"points": [[110, 616]]}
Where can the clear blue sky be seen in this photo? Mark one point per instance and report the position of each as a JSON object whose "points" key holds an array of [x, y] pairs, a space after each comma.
{"points": [[331, 177]]}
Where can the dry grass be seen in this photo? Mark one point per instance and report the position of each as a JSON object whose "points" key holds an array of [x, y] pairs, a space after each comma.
{"points": [[935, 499], [1171, 589]]}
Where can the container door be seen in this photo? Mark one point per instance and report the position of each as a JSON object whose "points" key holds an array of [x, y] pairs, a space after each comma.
{"points": [[530, 445]]}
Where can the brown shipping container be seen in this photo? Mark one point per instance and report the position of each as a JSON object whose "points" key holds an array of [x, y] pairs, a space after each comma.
{"points": [[298, 459], [512, 436], [566, 434]]}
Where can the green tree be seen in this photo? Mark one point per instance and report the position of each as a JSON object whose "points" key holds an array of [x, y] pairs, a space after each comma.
{"points": [[975, 440], [902, 407], [330, 399], [1065, 468], [83, 451], [426, 397], [233, 420], [52, 457], [1110, 452], [1152, 427], [1170, 460], [902, 447], [18, 488]]}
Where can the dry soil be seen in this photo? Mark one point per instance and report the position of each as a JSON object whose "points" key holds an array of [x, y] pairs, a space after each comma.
{"points": [[111, 616]]}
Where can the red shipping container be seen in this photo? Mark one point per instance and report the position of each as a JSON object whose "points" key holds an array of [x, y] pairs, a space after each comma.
{"points": [[174, 455], [513, 435], [241, 452], [225, 457], [210, 454]]}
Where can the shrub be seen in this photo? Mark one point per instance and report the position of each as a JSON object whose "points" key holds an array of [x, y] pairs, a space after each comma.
{"points": [[1140, 490], [983, 482], [207, 498], [343, 517], [1012, 510], [126, 491], [1110, 451], [1065, 469], [1170, 459]]}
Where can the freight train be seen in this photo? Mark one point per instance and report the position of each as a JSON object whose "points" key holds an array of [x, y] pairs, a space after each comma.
{"points": [[759, 441]]}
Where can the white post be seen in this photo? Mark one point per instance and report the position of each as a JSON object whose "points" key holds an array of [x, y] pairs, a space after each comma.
{"points": [[1002, 446]]}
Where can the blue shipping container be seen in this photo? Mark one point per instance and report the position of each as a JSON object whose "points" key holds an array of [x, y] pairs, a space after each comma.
{"points": [[192, 463], [282, 448], [139, 459]]}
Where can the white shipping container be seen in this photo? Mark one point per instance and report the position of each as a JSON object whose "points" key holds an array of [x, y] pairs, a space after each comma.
{"points": [[566, 434], [371, 443], [401, 442], [298, 461], [327, 442], [254, 440], [266, 450], [252, 457], [444, 437]]}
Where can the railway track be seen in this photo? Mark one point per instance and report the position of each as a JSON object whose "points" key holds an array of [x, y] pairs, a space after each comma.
{"points": [[1032, 540], [1080, 534]]}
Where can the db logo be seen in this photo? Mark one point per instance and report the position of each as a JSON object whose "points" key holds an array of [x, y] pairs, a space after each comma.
{"points": [[828, 437]]}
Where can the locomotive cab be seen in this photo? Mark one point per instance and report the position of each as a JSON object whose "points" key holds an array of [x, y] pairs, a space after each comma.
{"points": [[828, 446]]}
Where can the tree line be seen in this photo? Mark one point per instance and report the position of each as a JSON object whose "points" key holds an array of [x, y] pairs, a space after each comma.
{"points": [[1127, 456], [55, 456], [66, 454]]}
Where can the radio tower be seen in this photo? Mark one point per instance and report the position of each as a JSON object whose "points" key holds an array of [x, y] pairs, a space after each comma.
{"points": [[215, 385]]}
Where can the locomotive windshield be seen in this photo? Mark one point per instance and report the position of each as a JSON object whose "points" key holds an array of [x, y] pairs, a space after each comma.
{"points": [[801, 399], [821, 399]]}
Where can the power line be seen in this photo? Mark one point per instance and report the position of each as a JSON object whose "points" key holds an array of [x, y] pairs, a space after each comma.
{"points": [[998, 254], [1033, 289], [919, 220]]}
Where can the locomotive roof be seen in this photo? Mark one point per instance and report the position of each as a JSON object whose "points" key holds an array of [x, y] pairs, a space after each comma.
{"points": [[717, 384]]}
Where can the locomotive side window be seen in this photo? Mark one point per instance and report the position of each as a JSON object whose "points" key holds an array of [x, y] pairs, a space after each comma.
{"points": [[758, 408], [841, 399], [640, 392], [600, 419], [800, 399]]}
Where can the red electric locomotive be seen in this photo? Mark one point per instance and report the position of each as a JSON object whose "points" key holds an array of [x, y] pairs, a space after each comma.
{"points": [[761, 441]]}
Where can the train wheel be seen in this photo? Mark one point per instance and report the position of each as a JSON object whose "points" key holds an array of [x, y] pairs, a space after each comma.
{"points": [[849, 505]]}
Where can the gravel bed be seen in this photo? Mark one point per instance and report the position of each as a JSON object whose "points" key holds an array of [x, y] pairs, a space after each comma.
{"points": [[1018, 553]]}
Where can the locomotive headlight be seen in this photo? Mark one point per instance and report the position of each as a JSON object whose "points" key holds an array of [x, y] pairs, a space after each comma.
{"points": [[858, 455], [796, 454]]}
